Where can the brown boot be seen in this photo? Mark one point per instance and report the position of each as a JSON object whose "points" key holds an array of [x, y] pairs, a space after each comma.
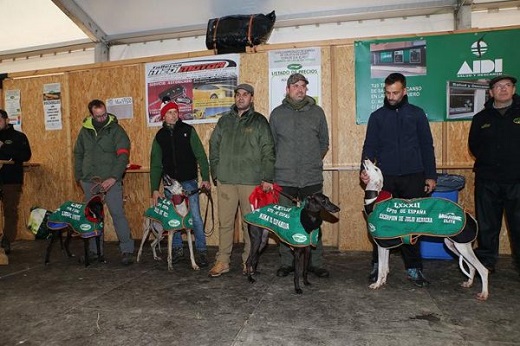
{"points": [[218, 269]]}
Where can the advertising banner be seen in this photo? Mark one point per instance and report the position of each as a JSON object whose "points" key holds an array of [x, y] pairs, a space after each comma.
{"points": [[202, 87], [447, 75]]}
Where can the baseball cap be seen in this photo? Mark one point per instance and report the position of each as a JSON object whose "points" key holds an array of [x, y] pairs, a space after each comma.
{"points": [[246, 87], [295, 78], [499, 78]]}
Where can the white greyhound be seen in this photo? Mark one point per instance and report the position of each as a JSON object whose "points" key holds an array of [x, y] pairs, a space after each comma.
{"points": [[461, 244], [155, 227]]}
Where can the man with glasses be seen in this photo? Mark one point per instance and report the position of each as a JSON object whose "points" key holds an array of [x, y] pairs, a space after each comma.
{"points": [[494, 140]]}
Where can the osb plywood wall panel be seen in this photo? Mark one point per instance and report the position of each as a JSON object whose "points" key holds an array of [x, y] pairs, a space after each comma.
{"points": [[49, 184], [52, 182]]}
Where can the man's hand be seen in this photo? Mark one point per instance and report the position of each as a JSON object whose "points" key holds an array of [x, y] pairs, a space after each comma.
{"points": [[365, 178], [429, 185], [266, 187], [108, 183], [205, 185], [155, 197]]}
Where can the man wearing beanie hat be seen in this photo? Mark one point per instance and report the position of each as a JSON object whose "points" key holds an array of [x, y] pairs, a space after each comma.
{"points": [[14, 146], [494, 141], [178, 152], [102, 151], [241, 155], [301, 136]]}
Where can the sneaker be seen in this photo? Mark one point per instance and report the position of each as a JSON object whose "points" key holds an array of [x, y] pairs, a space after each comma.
{"points": [[6, 244], [372, 277], [284, 271], [218, 269], [127, 259], [417, 277], [178, 254], [202, 259], [319, 272]]}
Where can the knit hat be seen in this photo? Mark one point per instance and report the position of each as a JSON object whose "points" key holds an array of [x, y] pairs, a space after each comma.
{"points": [[167, 107]]}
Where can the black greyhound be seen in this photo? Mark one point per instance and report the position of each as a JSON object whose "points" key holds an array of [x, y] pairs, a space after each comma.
{"points": [[94, 211], [310, 219]]}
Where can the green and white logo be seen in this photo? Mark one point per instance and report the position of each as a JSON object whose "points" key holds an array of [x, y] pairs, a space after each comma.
{"points": [[85, 227], [174, 223], [299, 238]]}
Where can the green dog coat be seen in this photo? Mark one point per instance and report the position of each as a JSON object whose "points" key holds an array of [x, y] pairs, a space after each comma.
{"points": [[285, 223], [164, 213], [77, 216]]}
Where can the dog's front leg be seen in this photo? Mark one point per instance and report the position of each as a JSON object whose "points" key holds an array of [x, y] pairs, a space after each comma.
{"points": [[383, 257], [306, 260], [66, 245], [255, 236], [146, 234], [86, 247], [190, 246], [298, 264], [170, 250], [49, 247]]}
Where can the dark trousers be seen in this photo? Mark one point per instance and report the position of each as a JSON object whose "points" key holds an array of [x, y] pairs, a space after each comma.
{"points": [[407, 187], [286, 256], [10, 199], [491, 200]]}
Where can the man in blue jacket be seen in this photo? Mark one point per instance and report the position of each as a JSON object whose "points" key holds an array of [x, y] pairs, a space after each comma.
{"points": [[399, 141]]}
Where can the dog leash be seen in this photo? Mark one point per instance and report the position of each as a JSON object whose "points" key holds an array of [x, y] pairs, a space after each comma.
{"points": [[210, 200], [295, 200]]}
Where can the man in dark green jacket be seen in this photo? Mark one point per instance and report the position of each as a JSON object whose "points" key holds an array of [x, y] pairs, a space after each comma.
{"points": [[102, 151], [301, 139], [241, 155]]}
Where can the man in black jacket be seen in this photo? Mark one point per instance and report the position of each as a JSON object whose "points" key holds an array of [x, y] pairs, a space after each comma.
{"points": [[14, 146], [494, 140], [399, 141]]}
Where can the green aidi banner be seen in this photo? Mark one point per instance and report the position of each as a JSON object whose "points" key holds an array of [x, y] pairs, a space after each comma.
{"points": [[285, 223], [409, 218], [164, 213], [447, 75]]}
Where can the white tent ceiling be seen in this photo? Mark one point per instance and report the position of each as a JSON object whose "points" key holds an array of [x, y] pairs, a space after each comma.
{"points": [[33, 26]]}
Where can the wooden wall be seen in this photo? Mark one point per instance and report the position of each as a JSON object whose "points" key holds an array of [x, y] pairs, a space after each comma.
{"points": [[52, 182]]}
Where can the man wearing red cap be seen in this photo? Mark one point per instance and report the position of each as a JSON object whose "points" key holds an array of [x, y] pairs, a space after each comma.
{"points": [[494, 140], [102, 151], [178, 152]]}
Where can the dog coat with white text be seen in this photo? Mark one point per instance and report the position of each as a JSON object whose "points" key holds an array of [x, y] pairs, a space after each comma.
{"points": [[79, 217], [409, 219], [285, 223], [164, 213]]}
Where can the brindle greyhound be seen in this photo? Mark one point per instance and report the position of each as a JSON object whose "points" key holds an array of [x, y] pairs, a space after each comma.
{"points": [[311, 220], [460, 244]]}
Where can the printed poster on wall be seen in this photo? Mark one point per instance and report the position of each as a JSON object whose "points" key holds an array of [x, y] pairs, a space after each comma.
{"points": [[52, 106], [447, 75], [283, 63], [13, 108], [202, 87], [121, 107]]}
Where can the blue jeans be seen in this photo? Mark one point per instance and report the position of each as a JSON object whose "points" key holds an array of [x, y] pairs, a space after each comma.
{"points": [[198, 226]]}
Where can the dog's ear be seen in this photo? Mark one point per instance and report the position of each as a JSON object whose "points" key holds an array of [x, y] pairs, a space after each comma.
{"points": [[325, 202]]}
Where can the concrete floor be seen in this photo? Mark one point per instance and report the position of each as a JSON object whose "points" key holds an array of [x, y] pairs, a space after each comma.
{"points": [[65, 303]]}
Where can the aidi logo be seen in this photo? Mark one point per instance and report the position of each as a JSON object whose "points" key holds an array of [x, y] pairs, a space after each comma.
{"points": [[294, 66], [85, 227], [174, 223], [299, 238], [480, 67]]}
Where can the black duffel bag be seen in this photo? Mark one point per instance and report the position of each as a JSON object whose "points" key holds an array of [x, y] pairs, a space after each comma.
{"points": [[231, 34]]}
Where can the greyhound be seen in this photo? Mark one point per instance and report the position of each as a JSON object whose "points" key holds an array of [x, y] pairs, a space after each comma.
{"points": [[155, 227], [460, 244], [91, 225], [308, 217]]}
